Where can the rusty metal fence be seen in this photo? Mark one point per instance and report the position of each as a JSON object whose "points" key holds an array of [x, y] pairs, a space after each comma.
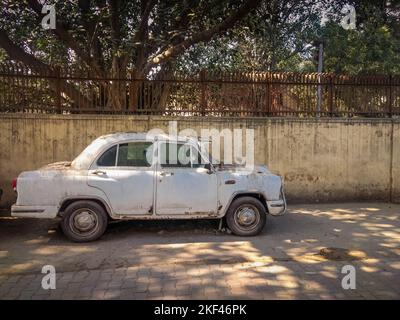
{"points": [[241, 94]]}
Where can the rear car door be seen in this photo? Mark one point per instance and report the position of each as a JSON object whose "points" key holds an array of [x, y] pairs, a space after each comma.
{"points": [[125, 173]]}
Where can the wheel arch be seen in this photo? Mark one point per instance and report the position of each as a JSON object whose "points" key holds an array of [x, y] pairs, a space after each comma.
{"points": [[256, 195], [66, 202]]}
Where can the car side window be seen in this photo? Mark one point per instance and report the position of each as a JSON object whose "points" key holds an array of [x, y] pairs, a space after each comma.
{"points": [[175, 155], [135, 154], [107, 159]]}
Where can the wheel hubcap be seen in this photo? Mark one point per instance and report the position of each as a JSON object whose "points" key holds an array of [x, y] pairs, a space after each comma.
{"points": [[84, 221], [247, 217]]}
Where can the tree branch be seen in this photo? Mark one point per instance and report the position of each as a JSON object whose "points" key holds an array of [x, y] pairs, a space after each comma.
{"points": [[62, 32], [229, 22], [17, 53], [115, 25], [94, 45], [147, 6], [141, 35]]}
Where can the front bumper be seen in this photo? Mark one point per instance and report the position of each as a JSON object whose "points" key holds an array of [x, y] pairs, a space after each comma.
{"points": [[45, 212], [277, 207]]}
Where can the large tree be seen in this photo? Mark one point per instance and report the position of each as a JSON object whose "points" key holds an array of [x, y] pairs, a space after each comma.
{"points": [[154, 38], [114, 38]]}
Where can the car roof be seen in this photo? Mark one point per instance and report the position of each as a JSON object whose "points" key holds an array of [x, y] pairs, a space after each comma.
{"points": [[124, 136], [85, 158]]}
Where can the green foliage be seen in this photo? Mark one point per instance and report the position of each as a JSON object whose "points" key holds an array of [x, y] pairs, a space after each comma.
{"points": [[373, 47], [278, 35]]}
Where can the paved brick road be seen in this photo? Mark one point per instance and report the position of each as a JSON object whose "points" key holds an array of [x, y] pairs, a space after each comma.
{"points": [[169, 260]]}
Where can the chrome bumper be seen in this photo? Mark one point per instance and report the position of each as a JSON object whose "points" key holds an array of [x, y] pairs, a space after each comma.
{"points": [[277, 207], [47, 212]]}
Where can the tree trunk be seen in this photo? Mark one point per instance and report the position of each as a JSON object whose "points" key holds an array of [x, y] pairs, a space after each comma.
{"points": [[117, 87], [134, 89]]}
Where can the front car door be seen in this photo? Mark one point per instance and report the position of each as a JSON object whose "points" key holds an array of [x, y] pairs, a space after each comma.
{"points": [[184, 186], [125, 173]]}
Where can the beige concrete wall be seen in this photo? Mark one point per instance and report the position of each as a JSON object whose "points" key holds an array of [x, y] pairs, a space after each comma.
{"points": [[320, 159], [395, 165]]}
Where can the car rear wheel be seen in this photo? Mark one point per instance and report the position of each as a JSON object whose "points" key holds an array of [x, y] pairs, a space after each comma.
{"points": [[246, 216], [84, 221]]}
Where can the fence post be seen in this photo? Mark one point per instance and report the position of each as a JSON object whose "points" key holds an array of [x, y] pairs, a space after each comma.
{"points": [[133, 91], [331, 92], [391, 96], [58, 88], [203, 101], [268, 88]]}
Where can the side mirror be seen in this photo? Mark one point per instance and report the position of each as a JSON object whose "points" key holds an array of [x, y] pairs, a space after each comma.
{"points": [[209, 168]]}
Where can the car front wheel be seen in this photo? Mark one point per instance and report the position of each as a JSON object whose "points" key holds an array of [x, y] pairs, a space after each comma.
{"points": [[246, 216], [84, 221]]}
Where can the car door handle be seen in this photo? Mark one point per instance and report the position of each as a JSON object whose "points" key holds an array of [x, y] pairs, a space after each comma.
{"points": [[166, 174], [99, 172]]}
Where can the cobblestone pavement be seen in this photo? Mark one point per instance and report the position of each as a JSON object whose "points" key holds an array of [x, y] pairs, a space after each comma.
{"points": [[192, 260]]}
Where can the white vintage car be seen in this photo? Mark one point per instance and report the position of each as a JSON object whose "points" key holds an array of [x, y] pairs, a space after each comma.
{"points": [[132, 176]]}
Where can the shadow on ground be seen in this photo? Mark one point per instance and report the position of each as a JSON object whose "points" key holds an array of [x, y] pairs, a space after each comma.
{"points": [[285, 258]]}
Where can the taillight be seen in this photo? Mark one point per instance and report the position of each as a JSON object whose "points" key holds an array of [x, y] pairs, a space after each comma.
{"points": [[14, 184]]}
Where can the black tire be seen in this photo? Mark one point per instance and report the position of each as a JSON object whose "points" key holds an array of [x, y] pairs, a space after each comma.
{"points": [[246, 216], [91, 224]]}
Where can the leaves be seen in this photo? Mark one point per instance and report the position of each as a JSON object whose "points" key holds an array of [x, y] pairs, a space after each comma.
{"points": [[278, 35]]}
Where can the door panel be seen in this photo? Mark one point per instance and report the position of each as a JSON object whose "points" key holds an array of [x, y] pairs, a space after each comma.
{"points": [[128, 177], [186, 191], [183, 189], [130, 192]]}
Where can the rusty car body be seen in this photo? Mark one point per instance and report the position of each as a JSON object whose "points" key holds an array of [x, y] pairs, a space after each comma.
{"points": [[129, 176]]}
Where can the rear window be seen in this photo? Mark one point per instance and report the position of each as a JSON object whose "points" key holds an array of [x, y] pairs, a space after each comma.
{"points": [[107, 159]]}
